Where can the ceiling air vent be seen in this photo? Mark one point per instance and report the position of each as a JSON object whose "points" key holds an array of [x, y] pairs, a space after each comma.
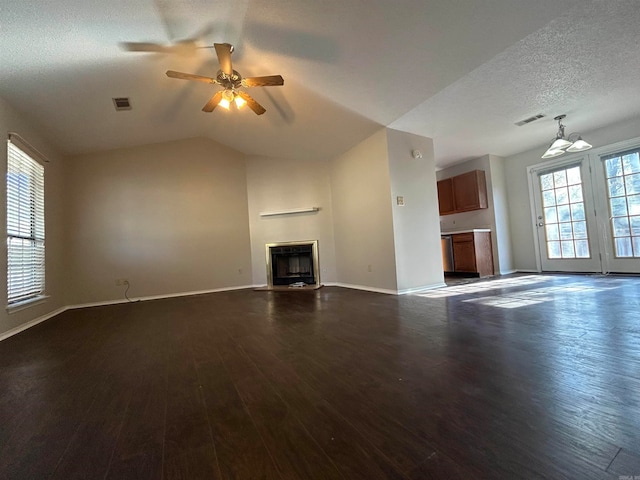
{"points": [[530, 119], [122, 103]]}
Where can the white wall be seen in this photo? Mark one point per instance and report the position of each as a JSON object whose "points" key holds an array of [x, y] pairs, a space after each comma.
{"points": [[171, 218], [521, 222], [362, 216], [55, 278], [277, 185], [502, 240], [416, 238]]}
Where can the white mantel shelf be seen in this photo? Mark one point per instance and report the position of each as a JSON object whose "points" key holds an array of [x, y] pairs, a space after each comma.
{"points": [[470, 230], [290, 212]]}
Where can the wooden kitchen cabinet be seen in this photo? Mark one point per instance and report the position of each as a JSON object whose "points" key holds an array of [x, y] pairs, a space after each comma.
{"points": [[445, 196], [462, 193], [472, 253]]}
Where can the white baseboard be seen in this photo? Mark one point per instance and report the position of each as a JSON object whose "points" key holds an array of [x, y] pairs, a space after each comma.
{"points": [[524, 270], [408, 291], [366, 288], [508, 272], [31, 323], [158, 297]]}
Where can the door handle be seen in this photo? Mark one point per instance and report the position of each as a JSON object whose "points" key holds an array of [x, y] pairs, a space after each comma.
{"points": [[540, 224]]}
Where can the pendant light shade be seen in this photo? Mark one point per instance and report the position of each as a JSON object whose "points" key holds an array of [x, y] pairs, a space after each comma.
{"points": [[579, 145], [562, 145]]}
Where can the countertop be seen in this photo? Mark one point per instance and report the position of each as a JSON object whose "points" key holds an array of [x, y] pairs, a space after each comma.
{"points": [[469, 230]]}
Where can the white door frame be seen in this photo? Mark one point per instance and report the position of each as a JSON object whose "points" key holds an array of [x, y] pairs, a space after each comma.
{"points": [[590, 264]]}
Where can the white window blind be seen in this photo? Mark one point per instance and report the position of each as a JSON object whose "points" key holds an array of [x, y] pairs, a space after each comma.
{"points": [[25, 226]]}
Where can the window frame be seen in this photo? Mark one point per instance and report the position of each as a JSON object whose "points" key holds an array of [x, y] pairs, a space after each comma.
{"points": [[24, 227]]}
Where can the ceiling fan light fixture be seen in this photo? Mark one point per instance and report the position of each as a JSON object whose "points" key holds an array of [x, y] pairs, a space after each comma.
{"points": [[239, 101], [224, 103]]}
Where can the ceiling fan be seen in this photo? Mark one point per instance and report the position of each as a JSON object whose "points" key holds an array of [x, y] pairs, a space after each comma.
{"points": [[232, 82]]}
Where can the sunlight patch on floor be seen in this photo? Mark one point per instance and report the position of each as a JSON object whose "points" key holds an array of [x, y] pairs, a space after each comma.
{"points": [[518, 298]]}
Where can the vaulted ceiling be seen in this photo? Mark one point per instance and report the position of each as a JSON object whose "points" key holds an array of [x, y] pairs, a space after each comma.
{"points": [[461, 72]]}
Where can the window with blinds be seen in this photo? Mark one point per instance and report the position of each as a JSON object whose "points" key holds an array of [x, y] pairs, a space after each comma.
{"points": [[25, 226]]}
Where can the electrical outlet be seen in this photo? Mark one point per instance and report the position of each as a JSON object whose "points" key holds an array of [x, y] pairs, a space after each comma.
{"points": [[121, 281], [118, 282], [125, 281], [239, 271], [369, 269]]}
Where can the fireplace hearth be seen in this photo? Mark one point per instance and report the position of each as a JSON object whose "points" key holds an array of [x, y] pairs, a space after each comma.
{"points": [[293, 264]]}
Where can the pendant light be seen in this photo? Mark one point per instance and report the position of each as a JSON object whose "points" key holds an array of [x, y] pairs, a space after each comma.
{"points": [[560, 145]]}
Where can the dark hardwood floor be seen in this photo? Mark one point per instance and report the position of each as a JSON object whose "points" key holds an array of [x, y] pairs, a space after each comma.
{"points": [[523, 377]]}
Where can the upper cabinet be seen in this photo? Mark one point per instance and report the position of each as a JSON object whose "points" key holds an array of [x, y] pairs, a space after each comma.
{"points": [[462, 193]]}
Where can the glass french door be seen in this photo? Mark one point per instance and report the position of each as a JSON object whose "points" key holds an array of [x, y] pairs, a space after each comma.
{"points": [[565, 217], [619, 207]]}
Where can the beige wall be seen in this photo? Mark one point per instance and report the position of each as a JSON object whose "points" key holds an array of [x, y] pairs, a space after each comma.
{"points": [[362, 216], [275, 184], [170, 218], [55, 278], [416, 236]]}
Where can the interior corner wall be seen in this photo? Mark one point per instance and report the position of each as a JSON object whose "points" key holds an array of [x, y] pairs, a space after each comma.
{"points": [[362, 216], [55, 275], [520, 220], [500, 203], [275, 185], [416, 238], [171, 218]]}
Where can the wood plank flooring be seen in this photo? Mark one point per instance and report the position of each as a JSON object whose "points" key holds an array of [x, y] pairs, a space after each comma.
{"points": [[520, 377]]}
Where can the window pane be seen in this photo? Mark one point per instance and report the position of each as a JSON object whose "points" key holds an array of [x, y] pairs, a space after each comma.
{"points": [[631, 163], [553, 250], [550, 215], [575, 193], [564, 213], [633, 183], [548, 198], [546, 181], [577, 211], [580, 230], [619, 207], [560, 178], [573, 176], [616, 187], [562, 196], [621, 227], [636, 246], [568, 250], [634, 204], [553, 232], [613, 167], [582, 249], [623, 247], [566, 232], [635, 226]]}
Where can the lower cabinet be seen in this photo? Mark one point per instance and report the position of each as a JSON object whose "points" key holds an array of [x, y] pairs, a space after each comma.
{"points": [[472, 253]]}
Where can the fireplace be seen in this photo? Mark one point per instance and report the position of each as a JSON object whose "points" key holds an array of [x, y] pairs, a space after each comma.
{"points": [[293, 264]]}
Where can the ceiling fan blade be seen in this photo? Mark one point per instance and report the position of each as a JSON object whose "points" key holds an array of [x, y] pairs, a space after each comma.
{"points": [[190, 76], [223, 50], [253, 105], [213, 102], [144, 47], [268, 81]]}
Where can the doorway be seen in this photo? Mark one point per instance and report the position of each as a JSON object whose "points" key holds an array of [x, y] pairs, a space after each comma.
{"points": [[587, 211]]}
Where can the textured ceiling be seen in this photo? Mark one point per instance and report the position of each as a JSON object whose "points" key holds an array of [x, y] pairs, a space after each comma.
{"points": [[459, 72]]}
